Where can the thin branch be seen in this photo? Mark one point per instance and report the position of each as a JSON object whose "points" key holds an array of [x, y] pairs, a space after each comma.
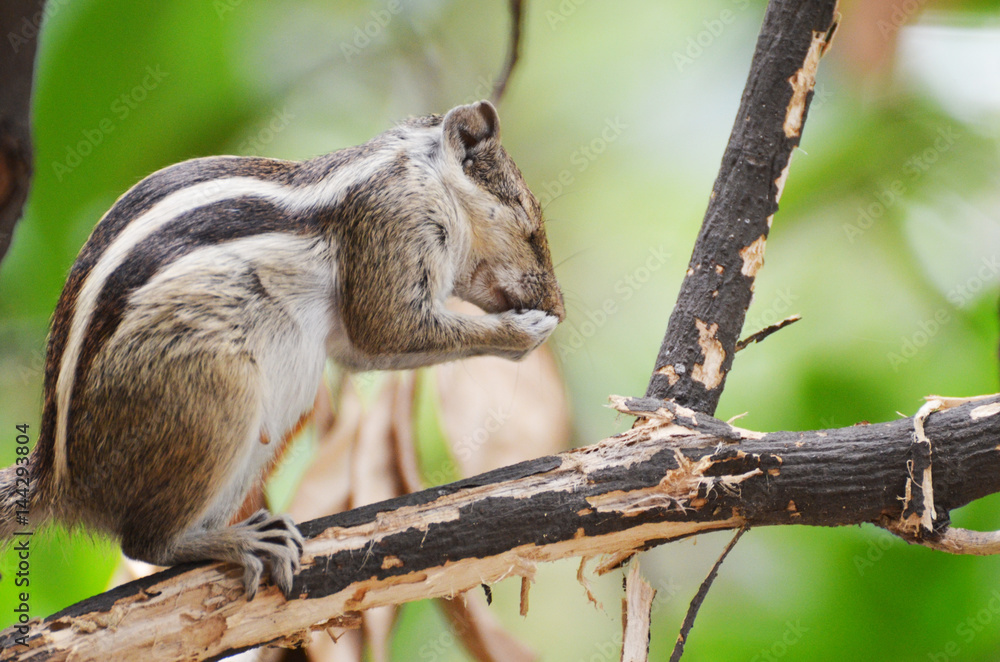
{"points": [[701, 337], [513, 49], [954, 540], [766, 331], [699, 598]]}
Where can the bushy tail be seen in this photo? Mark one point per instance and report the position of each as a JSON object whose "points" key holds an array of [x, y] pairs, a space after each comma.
{"points": [[18, 490]]}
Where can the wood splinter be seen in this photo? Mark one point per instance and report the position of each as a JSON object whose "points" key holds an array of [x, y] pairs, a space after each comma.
{"points": [[637, 610]]}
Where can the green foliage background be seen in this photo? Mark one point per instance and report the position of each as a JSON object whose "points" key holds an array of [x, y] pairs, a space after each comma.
{"points": [[618, 116]]}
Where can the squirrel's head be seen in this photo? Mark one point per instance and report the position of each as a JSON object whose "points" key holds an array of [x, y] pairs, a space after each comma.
{"points": [[509, 265]]}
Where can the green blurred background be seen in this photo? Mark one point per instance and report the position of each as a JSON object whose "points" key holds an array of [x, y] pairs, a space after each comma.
{"points": [[887, 242]]}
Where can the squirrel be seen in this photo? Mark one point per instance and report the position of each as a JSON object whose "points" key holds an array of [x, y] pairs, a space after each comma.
{"points": [[194, 326]]}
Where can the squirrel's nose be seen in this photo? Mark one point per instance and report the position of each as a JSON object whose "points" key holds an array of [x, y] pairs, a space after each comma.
{"points": [[553, 303]]}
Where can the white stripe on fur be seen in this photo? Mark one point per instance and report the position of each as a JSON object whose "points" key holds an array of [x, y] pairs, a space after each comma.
{"points": [[321, 194]]}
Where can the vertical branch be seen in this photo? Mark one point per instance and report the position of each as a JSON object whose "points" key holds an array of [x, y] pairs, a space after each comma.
{"points": [[703, 332], [513, 49], [698, 348], [20, 22]]}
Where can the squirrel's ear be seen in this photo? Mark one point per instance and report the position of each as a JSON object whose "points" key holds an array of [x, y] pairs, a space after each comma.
{"points": [[472, 130]]}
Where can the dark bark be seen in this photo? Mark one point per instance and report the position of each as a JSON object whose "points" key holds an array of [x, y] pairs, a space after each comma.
{"points": [[698, 348], [654, 483], [20, 22]]}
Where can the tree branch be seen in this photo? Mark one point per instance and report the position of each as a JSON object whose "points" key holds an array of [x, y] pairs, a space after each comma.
{"points": [[702, 336], [699, 598], [513, 49], [678, 473], [19, 24], [698, 348]]}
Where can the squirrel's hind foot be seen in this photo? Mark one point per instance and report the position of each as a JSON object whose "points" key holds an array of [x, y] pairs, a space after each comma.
{"points": [[262, 540], [271, 540]]}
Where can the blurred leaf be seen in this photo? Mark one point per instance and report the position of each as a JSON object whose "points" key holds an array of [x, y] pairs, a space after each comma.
{"points": [[496, 413], [480, 632]]}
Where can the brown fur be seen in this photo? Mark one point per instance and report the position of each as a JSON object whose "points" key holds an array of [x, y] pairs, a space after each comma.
{"points": [[182, 358]]}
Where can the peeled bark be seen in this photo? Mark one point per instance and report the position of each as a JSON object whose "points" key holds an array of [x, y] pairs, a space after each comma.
{"points": [[676, 474]]}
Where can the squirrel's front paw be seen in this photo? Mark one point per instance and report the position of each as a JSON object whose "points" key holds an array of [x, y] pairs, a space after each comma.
{"points": [[533, 325]]}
